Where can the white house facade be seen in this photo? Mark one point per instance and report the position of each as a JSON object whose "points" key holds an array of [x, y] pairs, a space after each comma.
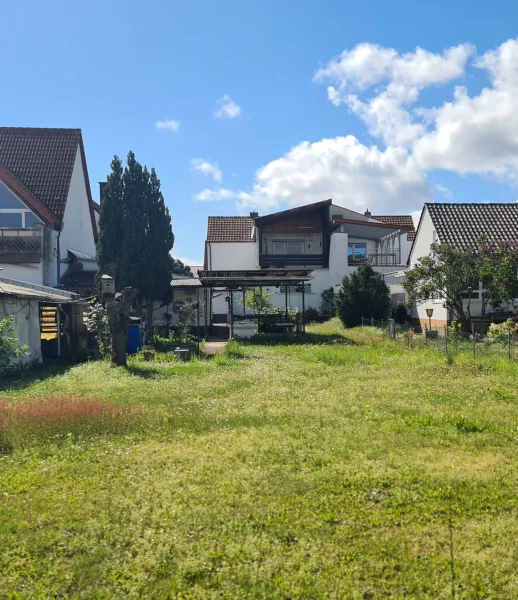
{"points": [[47, 218], [459, 225], [329, 239]]}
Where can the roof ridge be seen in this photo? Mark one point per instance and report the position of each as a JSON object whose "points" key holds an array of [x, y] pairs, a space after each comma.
{"points": [[32, 129]]}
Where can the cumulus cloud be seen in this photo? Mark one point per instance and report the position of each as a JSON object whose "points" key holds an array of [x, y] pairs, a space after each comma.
{"points": [[475, 133], [401, 77], [343, 169], [205, 167], [169, 124], [226, 108]]}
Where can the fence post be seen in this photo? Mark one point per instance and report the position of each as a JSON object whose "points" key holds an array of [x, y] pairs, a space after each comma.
{"points": [[509, 343], [426, 335], [473, 337], [446, 338], [372, 321]]}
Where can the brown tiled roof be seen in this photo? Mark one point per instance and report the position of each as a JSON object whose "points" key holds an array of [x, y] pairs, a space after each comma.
{"points": [[43, 160], [398, 221], [230, 229], [460, 225], [19, 245]]}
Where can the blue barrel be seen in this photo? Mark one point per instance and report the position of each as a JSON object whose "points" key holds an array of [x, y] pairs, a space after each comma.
{"points": [[134, 343]]}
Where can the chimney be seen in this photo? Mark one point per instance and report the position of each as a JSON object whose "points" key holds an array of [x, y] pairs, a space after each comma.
{"points": [[254, 215], [367, 213], [101, 190]]}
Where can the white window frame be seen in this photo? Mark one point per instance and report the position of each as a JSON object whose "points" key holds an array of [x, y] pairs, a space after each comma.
{"points": [[16, 211]]}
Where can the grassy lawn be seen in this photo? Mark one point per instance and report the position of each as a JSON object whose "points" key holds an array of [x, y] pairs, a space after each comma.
{"points": [[341, 468]]}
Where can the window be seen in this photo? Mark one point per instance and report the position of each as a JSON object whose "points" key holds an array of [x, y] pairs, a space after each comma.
{"points": [[288, 247], [357, 254], [11, 220]]}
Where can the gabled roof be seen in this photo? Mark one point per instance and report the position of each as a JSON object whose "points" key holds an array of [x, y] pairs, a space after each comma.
{"points": [[42, 159], [230, 229], [460, 225], [404, 221]]}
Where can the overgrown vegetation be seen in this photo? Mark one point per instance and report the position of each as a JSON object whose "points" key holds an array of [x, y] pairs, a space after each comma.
{"points": [[10, 348], [335, 468]]}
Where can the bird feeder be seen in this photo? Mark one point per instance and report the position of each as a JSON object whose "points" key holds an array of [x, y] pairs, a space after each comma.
{"points": [[107, 285]]}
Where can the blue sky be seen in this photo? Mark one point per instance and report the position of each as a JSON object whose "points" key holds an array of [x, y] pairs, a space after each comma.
{"points": [[116, 69]]}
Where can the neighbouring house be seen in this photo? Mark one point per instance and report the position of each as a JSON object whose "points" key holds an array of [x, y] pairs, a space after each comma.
{"points": [[330, 240], [48, 223], [458, 225], [50, 322]]}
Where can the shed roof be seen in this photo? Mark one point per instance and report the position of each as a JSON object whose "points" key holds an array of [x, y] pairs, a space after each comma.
{"points": [[23, 289]]}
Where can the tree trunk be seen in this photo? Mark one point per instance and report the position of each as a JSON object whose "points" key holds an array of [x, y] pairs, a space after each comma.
{"points": [[117, 313]]}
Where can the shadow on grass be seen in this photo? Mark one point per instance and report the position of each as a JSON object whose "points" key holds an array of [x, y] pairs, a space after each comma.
{"points": [[21, 379], [274, 339]]}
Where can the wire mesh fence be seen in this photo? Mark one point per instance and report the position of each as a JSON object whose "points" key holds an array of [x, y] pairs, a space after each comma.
{"points": [[479, 342]]}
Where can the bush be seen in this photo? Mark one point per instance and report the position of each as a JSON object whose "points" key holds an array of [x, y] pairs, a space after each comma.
{"points": [[328, 304], [401, 315], [9, 348], [500, 332], [363, 294], [161, 344], [311, 315]]}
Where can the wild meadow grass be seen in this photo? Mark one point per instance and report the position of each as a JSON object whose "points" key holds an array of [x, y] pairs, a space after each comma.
{"points": [[342, 467]]}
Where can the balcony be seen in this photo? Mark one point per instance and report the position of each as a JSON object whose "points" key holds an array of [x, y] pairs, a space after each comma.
{"points": [[291, 260], [377, 259]]}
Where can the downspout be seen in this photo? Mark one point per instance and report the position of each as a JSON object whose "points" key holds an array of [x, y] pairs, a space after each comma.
{"points": [[60, 227]]}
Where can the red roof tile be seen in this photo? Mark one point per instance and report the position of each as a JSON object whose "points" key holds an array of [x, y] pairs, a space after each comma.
{"points": [[398, 221], [230, 229], [43, 160]]}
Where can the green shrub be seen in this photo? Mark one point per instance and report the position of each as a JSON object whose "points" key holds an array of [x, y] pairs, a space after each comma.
{"points": [[311, 315], [327, 308], [363, 294], [9, 347]]}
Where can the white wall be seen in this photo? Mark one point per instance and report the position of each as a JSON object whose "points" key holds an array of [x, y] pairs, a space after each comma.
{"points": [[32, 273], [26, 323], [232, 255], [424, 238], [77, 230]]}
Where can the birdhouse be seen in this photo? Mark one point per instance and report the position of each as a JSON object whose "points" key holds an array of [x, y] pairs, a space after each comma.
{"points": [[107, 285]]}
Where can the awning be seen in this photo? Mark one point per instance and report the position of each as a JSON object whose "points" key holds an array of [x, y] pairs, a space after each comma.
{"points": [[22, 289], [370, 230], [254, 278], [185, 283]]}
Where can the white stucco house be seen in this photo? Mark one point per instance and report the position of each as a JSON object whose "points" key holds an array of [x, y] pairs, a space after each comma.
{"points": [[48, 226], [329, 239], [458, 225]]}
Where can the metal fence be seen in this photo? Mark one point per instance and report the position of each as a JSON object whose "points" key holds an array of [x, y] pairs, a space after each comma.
{"points": [[449, 340]]}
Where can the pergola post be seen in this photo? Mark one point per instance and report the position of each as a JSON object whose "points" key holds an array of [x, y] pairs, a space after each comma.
{"points": [[303, 309], [244, 302], [286, 298], [260, 308], [231, 314], [198, 318]]}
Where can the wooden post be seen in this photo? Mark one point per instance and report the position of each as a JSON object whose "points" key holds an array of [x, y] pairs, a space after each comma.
{"points": [[303, 310], [198, 315], [58, 325], [286, 299], [231, 314], [473, 338], [244, 302]]}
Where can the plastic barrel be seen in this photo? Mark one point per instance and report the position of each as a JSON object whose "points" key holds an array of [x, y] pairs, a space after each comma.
{"points": [[134, 343]]}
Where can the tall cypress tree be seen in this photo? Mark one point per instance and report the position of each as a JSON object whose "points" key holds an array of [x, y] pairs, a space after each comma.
{"points": [[111, 219], [136, 232]]}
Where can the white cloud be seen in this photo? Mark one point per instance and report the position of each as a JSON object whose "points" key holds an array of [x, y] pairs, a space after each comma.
{"points": [[169, 124], [220, 194], [189, 261], [403, 76], [467, 134], [204, 167], [226, 108], [444, 191], [353, 175]]}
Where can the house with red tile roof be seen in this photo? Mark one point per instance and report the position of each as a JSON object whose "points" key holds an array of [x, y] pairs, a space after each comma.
{"points": [[47, 216], [329, 239]]}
